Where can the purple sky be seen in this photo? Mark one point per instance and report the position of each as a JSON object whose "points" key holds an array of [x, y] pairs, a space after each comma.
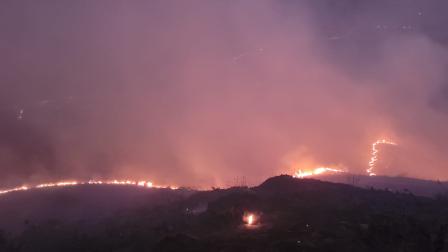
{"points": [[200, 92]]}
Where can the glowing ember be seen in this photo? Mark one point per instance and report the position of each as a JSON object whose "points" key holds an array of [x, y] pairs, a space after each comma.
{"points": [[374, 157], [316, 171], [146, 184], [250, 219]]}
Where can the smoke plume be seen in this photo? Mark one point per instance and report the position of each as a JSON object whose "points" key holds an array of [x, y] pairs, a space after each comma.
{"points": [[201, 92]]}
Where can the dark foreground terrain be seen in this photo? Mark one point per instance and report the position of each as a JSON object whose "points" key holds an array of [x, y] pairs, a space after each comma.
{"points": [[293, 215]]}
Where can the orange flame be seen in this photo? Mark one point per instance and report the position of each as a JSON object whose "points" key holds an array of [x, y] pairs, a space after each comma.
{"points": [[250, 219], [322, 170], [146, 184], [374, 157], [316, 171]]}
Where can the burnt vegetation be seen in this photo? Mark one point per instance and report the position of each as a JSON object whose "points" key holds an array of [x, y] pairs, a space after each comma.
{"points": [[293, 215]]}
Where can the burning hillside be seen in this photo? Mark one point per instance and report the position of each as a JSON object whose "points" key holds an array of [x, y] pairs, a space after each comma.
{"points": [[328, 170], [282, 213]]}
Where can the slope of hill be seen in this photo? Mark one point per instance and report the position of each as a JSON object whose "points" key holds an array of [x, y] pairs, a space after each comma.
{"points": [[420, 187], [290, 215]]}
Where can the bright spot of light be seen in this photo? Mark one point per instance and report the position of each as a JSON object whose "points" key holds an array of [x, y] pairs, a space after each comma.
{"points": [[251, 220]]}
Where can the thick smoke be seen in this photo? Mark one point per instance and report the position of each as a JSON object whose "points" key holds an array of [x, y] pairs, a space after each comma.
{"points": [[202, 92]]}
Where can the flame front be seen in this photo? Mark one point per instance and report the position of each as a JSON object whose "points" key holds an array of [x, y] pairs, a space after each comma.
{"points": [[146, 184], [374, 156], [316, 171], [371, 166]]}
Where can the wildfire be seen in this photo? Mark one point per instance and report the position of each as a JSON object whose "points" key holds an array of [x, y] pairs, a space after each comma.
{"points": [[146, 184], [316, 171], [249, 219], [322, 170], [374, 156]]}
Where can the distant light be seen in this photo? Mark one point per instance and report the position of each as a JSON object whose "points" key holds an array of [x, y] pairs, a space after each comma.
{"points": [[251, 220]]}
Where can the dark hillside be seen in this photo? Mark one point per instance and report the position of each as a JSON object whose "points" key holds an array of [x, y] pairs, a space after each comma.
{"points": [[421, 187], [291, 215]]}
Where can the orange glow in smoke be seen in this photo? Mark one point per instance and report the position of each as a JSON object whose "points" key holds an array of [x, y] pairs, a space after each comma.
{"points": [[145, 184], [250, 219]]}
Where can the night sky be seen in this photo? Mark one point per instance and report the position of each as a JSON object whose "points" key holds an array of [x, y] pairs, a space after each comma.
{"points": [[199, 93]]}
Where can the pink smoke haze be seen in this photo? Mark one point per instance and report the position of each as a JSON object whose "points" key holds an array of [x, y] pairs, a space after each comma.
{"points": [[199, 93]]}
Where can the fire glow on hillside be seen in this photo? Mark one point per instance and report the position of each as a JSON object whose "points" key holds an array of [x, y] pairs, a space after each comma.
{"points": [[371, 165], [374, 155], [142, 183], [316, 171], [147, 184]]}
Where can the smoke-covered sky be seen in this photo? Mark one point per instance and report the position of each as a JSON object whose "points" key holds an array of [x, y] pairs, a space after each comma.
{"points": [[202, 92]]}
